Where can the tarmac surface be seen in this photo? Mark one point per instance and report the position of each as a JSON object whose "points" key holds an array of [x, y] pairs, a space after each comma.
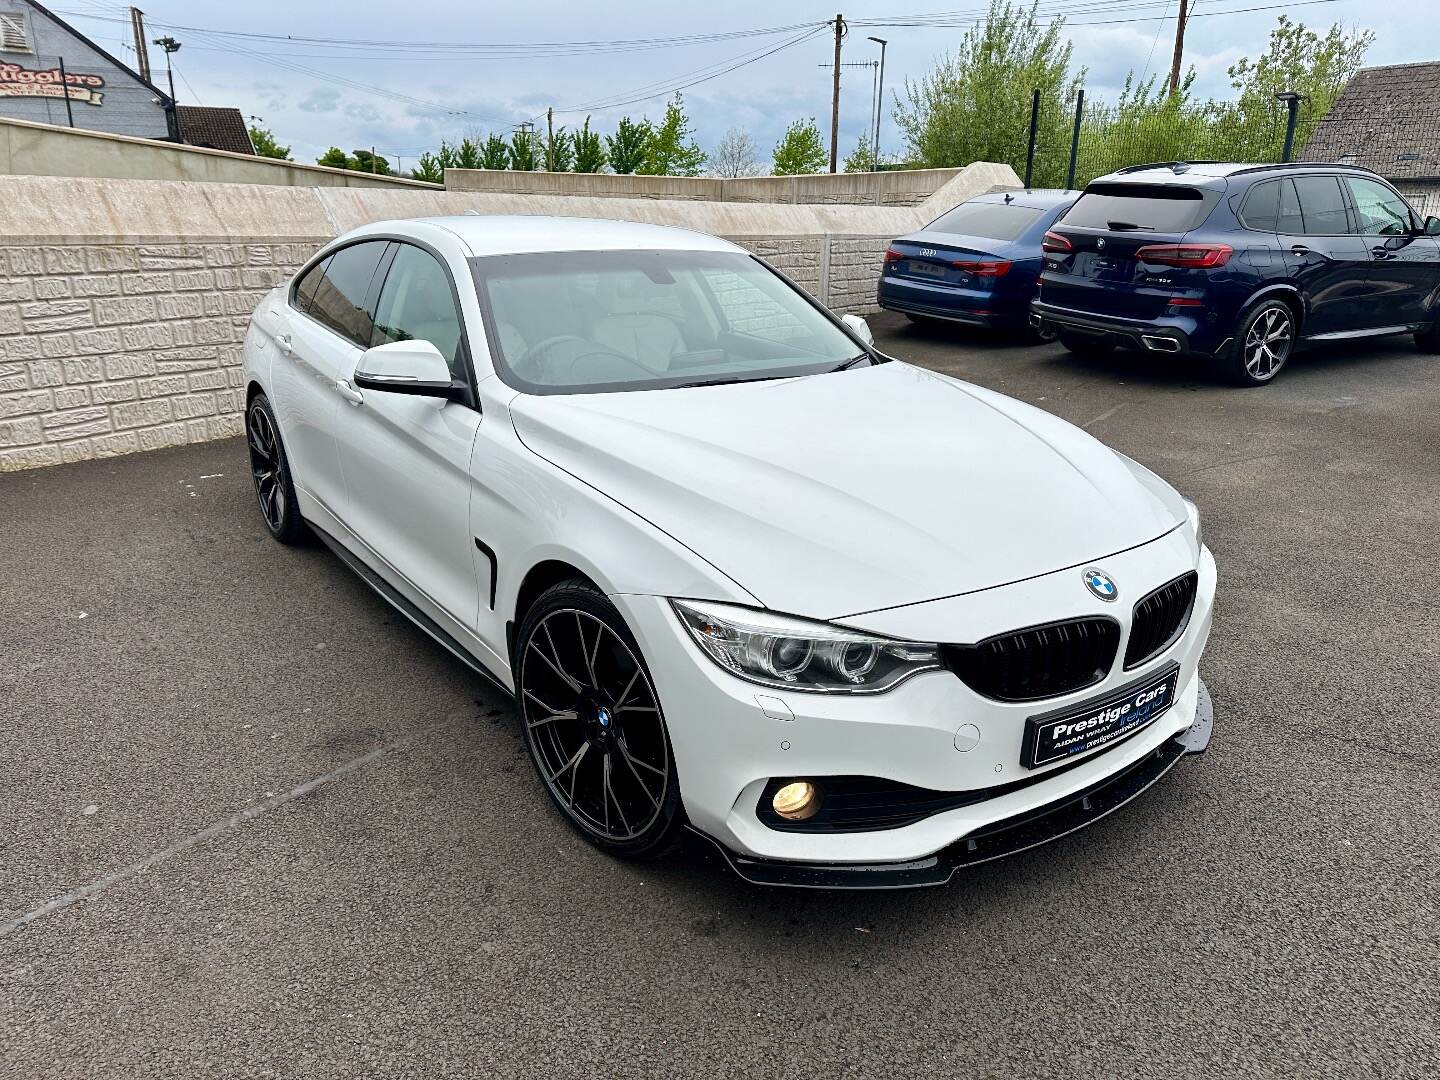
{"points": [[180, 898]]}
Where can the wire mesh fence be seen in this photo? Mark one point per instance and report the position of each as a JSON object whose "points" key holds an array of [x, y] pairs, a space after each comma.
{"points": [[1071, 142]]}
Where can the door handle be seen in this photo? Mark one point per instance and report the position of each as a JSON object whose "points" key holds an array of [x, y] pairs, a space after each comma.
{"points": [[349, 393], [1300, 249], [282, 341], [1380, 252]]}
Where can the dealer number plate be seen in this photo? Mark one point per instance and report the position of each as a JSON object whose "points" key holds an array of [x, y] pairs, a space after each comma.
{"points": [[927, 269], [1079, 729]]}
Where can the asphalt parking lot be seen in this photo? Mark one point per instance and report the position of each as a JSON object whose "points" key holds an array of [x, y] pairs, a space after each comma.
{"points": [[178, 897]]}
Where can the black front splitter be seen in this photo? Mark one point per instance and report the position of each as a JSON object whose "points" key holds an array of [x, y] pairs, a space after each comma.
{"points": [[1015, 834]]}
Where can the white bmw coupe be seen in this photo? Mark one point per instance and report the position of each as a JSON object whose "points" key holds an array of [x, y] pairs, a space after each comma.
{"points": [[857, 623]]}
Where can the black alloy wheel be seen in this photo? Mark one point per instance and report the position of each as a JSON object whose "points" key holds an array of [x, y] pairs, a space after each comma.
{"points": [[274, 487], [593, 723]]}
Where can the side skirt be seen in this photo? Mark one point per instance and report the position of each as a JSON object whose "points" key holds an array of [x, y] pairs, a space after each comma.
{"points": [[390, 595]]}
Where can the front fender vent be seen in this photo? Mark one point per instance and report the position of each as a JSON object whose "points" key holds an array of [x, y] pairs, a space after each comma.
{"points": [[1038, 662]]}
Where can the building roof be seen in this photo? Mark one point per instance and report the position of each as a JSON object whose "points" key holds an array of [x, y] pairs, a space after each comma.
{"points": [[1386, 119], [107, 55], [215, 127]]}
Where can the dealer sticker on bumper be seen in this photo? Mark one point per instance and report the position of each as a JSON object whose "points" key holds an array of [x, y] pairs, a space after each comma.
{"points": [[1079, 729]]}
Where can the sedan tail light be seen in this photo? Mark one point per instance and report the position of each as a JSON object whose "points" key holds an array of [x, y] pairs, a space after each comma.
{"points": [[983, 267], [1055, 244], [892, 256], [1186, 256]]}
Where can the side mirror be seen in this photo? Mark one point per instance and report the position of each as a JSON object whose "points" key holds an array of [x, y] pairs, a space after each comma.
{"points": [[405, 367], [1432, 226], [859, 327]]}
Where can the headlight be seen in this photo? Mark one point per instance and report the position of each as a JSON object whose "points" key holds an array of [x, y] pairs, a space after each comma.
{"points": [[1193, 513], [796, 654]]}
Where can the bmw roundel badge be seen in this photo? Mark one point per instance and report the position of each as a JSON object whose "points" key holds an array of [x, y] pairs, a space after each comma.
{"points": [[1100, 244], [1101, 584]]}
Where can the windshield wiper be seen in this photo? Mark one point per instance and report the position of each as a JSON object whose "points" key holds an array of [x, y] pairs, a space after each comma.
{"points": [[1127, 226], [726, 380], [855, 360]]}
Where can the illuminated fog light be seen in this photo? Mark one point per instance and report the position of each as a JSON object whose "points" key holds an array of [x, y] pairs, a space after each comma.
{"points": [[799, 801]]}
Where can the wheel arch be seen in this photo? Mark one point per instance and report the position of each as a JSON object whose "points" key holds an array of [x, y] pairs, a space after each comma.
{"points": [[541, 576], [1286, 292]]}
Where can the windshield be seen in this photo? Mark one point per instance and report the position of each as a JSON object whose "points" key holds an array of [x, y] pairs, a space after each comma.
{"points": [[575, 322], [993, 221]]}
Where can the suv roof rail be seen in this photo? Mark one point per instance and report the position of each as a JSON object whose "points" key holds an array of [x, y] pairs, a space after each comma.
{"points": [[1305, 165], [1177, 166]]}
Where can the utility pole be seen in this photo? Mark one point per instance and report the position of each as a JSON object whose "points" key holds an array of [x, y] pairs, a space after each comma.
{"points": [[550, 139], [835, 97], [142, 53], [1180, 20], [171, 46], [879, 97]]}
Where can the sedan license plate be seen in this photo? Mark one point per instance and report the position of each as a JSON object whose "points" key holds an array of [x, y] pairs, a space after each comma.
{"points": [[1064, 733], [926, 269]]}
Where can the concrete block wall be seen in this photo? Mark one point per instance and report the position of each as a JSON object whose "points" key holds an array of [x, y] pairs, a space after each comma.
{"points": [[110, 349], [124, 303]]}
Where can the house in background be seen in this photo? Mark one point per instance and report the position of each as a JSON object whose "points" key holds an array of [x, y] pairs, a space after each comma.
{"points": [[103, 92], [215, 127], [1387, 119]]}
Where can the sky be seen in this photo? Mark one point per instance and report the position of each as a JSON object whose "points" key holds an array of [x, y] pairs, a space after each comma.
{"points": [[434, 88]]}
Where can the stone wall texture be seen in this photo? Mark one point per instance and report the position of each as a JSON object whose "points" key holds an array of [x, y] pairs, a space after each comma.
{"points": [[124, 303]]}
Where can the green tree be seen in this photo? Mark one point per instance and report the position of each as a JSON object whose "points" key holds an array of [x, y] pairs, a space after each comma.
{"points": [[800, 150], [336, 158], [672, 150], [428, 169], [494, 154], [559, 154], [975, 104], [1297, 59], [522, 151], [589, 153], [626, 148], [265, 144], [467, 155], [862, 158], [366, 161]]}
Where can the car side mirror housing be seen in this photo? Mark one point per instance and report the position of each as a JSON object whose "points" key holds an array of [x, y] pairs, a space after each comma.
{"points": [[1432, 226], [405, 367], [859, 327]]}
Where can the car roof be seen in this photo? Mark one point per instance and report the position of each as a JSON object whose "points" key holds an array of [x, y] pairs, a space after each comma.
{"points": [[1198, 172], [1035, 198], [509, 234]]}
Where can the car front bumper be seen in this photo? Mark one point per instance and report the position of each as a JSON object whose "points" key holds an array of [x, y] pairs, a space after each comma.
{"points": [[730, 737]]}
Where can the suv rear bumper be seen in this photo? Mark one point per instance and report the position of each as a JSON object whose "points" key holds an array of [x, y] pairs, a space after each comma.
{"points": [[1173, 336]]}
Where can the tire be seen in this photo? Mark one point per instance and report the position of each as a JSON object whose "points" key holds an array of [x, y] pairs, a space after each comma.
{"points": [[1039, 337], [270, 470], [1429, 340], [593, 726], [1262, 345], [1087, 344]]}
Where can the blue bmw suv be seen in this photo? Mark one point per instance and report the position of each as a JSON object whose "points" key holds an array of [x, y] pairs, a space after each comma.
{"points": [[1239, 264]]}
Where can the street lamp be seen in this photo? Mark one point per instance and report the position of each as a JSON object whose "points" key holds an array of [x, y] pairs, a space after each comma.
{"points": [[1291, 100], [879, 98], [170, 45]]}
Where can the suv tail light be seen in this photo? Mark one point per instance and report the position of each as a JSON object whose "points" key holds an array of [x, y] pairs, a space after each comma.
{"points": [[1186, 256], [983, 267], [1055, 244]]}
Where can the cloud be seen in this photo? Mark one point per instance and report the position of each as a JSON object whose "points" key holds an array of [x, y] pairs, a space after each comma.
{"points": [[322, 99]]}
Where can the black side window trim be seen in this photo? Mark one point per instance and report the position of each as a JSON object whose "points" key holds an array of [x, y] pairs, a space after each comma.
{"points": [[1250, 194]]}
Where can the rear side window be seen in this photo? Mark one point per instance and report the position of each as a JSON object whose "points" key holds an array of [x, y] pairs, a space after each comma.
{"points": [[1379, 209], [1322, 204], [1163, 208], [1290, 220], [341, 299], [1261, 208], [306, 286], [992, 221]]}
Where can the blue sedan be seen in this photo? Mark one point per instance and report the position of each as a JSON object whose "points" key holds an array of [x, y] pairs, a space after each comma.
{"points": [[978, 263]]}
